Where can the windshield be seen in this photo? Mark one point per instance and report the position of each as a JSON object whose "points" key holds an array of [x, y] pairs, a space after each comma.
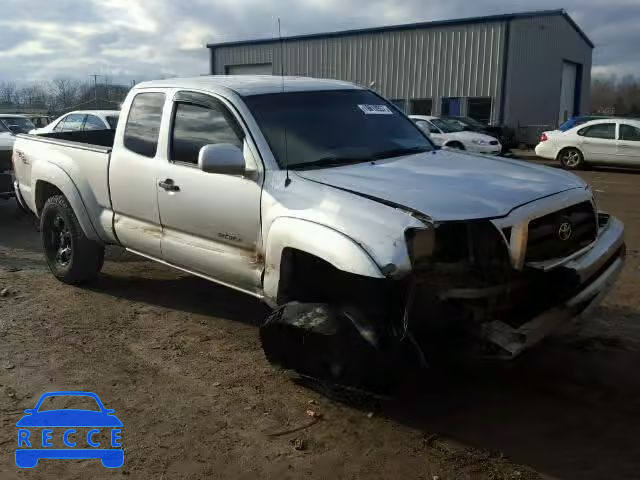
{"points": [[473, 123], [329, 128], [23, 124], [68, 402], [447, 126], [2, 127], [113, 121]]}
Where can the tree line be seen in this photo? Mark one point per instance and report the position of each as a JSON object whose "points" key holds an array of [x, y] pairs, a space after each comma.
{"points": [[60, 95], [609, 96], [616, 96]]}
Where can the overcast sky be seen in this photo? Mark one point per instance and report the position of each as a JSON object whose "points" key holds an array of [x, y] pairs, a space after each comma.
{"points": [[142, 39]]}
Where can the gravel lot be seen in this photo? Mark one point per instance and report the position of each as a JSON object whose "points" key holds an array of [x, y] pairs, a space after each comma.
{"points": [[179, 360]]}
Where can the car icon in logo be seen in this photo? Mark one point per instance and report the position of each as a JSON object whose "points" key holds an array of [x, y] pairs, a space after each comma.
{"points": [[69, 425]]}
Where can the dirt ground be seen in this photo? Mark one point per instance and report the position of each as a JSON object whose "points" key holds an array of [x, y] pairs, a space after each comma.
{"points": [[180, 362]]}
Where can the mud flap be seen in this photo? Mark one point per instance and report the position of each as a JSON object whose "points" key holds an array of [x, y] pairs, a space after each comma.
{"points": [[327, 343]]}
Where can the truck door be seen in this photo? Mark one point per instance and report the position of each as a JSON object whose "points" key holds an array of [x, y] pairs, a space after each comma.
{"points": [[133, 175], [210, 221]]}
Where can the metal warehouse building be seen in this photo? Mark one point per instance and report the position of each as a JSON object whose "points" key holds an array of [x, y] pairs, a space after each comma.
{"points": [[526, 70]]}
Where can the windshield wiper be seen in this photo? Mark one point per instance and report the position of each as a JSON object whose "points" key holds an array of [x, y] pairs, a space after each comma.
{"points": [[398, 152], [328, 162]]}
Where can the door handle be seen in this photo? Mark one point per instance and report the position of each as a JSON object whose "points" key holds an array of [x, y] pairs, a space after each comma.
{"points": [[169, 185]]}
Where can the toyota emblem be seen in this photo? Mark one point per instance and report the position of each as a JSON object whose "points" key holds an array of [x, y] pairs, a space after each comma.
{"points": [[565, 230]]}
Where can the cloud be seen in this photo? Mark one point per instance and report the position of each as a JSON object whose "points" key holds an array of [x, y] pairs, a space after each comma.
{"points": [[141, 39]]}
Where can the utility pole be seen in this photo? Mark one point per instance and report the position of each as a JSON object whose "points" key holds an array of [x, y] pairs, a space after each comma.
{"points": [[95, 88]]}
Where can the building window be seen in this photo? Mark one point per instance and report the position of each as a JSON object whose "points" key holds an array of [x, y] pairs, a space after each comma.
{"points": [[400, 105], [451, 107], [421, 106], [479, 109]]}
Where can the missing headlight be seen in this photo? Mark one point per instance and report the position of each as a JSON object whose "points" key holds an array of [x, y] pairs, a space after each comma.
{"points": [[421, 244]]}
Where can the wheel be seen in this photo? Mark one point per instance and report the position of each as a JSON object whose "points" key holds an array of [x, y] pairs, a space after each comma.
{"points": [[455, 145], [571, 159], [330, 344], [71, 256]]}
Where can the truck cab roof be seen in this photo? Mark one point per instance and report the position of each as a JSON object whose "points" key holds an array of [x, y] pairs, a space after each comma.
{"points": [[246, 85]]}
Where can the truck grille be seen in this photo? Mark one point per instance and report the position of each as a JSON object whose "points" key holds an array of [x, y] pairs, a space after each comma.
{"points": [[561, 233]]}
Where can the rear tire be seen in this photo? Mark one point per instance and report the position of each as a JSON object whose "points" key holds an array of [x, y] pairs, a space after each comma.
{"points": [[571, 159], [71, 256]]}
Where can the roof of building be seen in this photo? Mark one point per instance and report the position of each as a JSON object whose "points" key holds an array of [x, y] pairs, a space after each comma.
{"points": [[418, 26], [246, 85]]}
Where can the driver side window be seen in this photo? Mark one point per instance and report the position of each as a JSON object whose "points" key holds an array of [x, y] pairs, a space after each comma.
{"points": [[196, 125]]}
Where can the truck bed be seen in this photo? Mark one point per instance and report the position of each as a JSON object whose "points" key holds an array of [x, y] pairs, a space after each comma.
{"points": [[89, 138], [79, 161]]}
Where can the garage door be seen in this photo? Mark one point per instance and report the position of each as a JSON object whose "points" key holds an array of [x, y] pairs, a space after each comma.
{"points": [[568, 91], [250, 69]]}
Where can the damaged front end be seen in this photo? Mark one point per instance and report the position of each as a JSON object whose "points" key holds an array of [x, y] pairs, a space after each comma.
{"points": [[489, 288], [501, 289]]}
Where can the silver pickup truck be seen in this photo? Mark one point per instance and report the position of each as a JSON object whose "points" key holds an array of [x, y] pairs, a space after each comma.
{"points": [[325, 201]]}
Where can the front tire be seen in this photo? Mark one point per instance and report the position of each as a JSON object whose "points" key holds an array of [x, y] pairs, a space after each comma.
{"points": [[571, 159], [71, 256], [456, 145]]}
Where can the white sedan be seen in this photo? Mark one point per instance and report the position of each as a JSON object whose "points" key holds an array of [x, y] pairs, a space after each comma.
{"points": [[613, 141], [445, 133], [81, 120]]}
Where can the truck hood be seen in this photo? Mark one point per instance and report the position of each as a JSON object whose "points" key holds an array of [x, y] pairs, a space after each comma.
{"points": [[448, 185]]}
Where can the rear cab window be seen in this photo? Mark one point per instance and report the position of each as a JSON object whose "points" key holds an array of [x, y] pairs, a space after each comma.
{"points": [[143, 124]]}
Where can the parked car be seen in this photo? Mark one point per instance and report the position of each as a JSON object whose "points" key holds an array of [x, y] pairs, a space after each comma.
{"points": [[449, 134], [612, 141], [16, 123], [6, 171], [579, 120], [322, 199], [505, 135], [82, 120]]}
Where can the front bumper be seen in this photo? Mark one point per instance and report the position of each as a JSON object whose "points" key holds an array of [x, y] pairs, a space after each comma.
{"points": [[595, 270], [486, 149]]}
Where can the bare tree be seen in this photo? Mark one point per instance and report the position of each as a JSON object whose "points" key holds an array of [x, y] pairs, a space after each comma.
{"points": [[613, 96], [8, 92], [66, 93]]}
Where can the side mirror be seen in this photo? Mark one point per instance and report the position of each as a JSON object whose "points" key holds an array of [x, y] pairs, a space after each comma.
{"points": [[222, 158], [15, 129]]}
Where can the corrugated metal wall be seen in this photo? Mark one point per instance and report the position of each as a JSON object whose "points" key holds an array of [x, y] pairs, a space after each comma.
{"points": [[452, 61], [537, 48]]}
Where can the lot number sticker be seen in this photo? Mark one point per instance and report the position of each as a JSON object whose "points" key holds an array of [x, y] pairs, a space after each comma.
{"points": [[375, 109]]}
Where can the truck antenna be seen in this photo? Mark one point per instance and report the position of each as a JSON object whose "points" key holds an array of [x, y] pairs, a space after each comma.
{"points": [[287, 180]]}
